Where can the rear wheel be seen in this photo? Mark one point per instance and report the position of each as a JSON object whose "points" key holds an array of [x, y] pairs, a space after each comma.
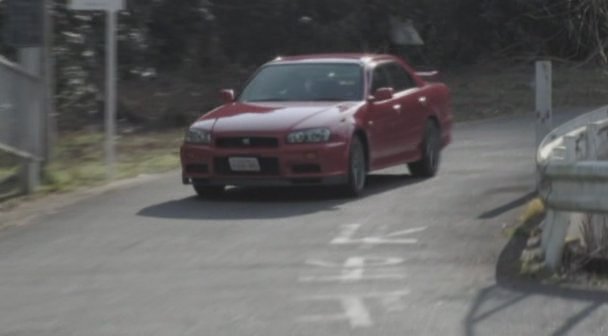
{"points": [[357, 169], [428, 165], [208, 191]]}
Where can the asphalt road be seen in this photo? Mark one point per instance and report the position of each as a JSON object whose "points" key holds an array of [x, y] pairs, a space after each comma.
{"points": [[411, 257]]}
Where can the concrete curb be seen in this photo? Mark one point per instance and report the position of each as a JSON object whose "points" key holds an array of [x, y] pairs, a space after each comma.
{"points": [[32, 208]]}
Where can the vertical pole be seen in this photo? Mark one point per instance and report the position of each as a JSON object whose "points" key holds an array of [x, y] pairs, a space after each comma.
{"points": [[557, 240], [50, 123], [547, 228], [593, 142], [571, 155], [110, 117], [544, 100], [30, 105], [544, 107]]}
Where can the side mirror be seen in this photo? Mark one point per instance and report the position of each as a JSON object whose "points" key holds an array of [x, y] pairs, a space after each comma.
{"points": [[383, 94], [227, 96]]}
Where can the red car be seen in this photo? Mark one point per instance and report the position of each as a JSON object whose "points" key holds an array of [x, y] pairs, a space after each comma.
{"points": [[320, 120]]}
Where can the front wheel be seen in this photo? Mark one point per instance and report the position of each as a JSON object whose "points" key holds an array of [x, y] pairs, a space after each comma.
{"points": [[428, 165], [357, 169]]}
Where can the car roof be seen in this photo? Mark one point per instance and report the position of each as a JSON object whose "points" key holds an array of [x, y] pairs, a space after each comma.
{"points": [[359, 58]]}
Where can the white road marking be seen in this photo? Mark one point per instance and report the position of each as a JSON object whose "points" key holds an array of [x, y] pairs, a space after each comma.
{"points": [[358, 313], [354, 309], [348, 231], [406, 232], [354, 268], [353, 276], [355, 312], [371, 262], [346, 237]]}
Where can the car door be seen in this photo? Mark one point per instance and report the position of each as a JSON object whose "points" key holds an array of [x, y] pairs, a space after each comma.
{"points": [[412, 111], [382, 119]]}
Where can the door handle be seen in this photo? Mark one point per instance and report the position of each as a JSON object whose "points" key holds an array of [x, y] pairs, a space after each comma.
{"points": [[397, 108], [423, 101]]}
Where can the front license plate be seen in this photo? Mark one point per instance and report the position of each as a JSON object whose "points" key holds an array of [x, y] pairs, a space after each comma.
{"points": [[239, 164]]}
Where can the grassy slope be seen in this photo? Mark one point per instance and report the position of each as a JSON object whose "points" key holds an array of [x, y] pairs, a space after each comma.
{"points": [[79, 161]]}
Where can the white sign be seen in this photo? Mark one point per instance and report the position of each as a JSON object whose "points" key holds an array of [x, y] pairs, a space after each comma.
{"points": [[404, 33], [90, 5]]}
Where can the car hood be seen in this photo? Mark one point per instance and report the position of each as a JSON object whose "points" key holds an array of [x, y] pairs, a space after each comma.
{"points": [[273, 117]]}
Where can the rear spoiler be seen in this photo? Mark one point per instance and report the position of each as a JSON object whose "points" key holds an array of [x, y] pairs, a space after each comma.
{"points": [[429, 76]]}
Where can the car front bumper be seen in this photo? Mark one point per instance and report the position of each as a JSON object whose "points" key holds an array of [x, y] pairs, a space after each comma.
{"points": [[286, 165]]}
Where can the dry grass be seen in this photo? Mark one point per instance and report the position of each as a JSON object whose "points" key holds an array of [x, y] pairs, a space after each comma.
{"points": [[594, 229], [493, 90], [533, 210], [8, 171], [79, 158]]}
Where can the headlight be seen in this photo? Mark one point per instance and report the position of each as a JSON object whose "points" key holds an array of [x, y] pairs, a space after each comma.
{"points": [[316, 135], [198, 136]]}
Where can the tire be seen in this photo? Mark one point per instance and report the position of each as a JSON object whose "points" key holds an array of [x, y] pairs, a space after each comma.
{"points": [[357, 169], [428, 165], [208, 191]]}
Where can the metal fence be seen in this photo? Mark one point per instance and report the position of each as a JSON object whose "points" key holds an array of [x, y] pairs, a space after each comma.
{"points": [[20, 120], [572, 177]]}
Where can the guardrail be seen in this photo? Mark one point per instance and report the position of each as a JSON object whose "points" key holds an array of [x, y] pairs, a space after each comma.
{"points": [[572, 179]]}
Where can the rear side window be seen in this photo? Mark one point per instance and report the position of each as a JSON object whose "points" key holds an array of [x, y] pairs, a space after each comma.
{"points": [[400, 78]]}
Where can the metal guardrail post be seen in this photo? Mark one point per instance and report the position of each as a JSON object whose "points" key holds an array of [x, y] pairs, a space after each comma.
{"points": [[544, 100], [571, 150], [556, 238], [543, 84], [558, 222], [593, 141]]}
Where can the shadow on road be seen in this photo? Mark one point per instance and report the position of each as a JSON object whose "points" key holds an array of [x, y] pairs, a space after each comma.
{"points": [[509, 206], [261, 203], [512, 290]]}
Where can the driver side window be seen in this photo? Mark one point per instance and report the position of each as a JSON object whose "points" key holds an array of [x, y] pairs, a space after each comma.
{"points": [[400, 78], [380, 78]]}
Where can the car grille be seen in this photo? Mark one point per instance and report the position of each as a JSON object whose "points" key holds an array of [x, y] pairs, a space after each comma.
{"points": [[247, 142], [268, 167], [306, 169]]}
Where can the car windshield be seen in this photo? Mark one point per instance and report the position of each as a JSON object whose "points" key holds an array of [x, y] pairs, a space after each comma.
{"points": [[306, 82]]}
